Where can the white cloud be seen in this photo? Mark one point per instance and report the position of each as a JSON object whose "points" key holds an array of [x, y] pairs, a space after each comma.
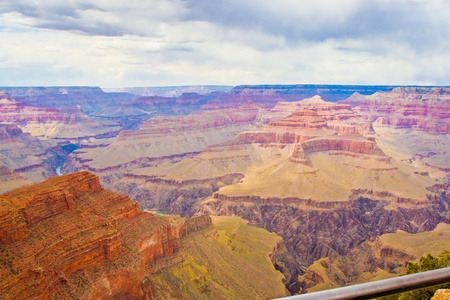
{"points": [[170, 42]]}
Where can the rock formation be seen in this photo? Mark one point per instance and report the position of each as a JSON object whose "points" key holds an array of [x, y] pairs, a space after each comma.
{"points": [[328, 177], [24, 158], [316, 177], [10, 180], [68, 123], [288, 158], [162, 139], [270, 95], [69, 238], [91, 99], [378, 258], [412, 122]]}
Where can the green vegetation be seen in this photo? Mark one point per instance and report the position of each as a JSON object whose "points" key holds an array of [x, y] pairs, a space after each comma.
{"points": [[426, 263]]}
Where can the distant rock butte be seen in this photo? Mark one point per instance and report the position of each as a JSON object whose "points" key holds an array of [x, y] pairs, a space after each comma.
{"points": [[69, 238], [298, 159], [340, 117], [421, 109], [412, 123]]}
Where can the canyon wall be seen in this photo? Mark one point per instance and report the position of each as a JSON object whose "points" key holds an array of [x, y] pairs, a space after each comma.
{"points": [[68, 238], [326, 176], [312, 232]]}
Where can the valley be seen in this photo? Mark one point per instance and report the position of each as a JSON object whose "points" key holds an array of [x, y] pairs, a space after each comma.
{"points": [[309, 184]]}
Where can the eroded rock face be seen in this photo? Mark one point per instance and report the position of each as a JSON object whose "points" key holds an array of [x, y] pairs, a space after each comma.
{"points": [[422, 109], [161, 140], [91, 99], [48, 122], [295, 159], [412, 122], [27, 158], [67, 237], [377, 258], [311, 233]]}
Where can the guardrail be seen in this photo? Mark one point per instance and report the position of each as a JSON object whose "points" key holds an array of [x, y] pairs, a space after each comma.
{"points": [[380, 288]]}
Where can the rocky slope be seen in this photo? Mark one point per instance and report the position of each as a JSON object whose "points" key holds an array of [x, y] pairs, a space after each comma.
{"points": [[26, 159], [378, 258], [287, 159], [67, 123], [316, 177], [10, 180], [412, 122], [68, 238], [160, 140], [90, 99], [229, 260]]}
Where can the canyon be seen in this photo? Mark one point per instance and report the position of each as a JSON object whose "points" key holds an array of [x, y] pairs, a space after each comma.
{"points": [[332, 170], [68, 238]]}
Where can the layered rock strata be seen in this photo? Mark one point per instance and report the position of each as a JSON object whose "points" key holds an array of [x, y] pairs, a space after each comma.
{"points": [[26, 157], [162, 140], [295, 159], [67, 123], [313, 232], [412, 122], [91, 99], [67, 237], [270, 95], [378, 258]]}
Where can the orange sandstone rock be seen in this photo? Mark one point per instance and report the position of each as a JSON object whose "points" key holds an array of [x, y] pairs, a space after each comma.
{"points": [[67, 236]]}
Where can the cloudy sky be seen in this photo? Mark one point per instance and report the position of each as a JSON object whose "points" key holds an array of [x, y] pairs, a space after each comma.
{"points": [[116, 43]]}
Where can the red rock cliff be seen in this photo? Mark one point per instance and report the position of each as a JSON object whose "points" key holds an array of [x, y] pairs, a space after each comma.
{"points": [[67, 236]]}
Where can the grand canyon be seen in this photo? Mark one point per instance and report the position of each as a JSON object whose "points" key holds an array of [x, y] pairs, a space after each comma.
{"points": [[218, 192]]}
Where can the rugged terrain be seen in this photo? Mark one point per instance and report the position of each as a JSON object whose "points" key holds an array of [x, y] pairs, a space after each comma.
{"points": [[68, 238], [161, 140], [25, 159], [68, 123], [270, 95], [330, 178], [316, 174], [412, 123], [378, 258]]}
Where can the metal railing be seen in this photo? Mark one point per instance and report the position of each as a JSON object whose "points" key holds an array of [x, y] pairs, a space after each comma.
{"points": [[380, 288]]}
